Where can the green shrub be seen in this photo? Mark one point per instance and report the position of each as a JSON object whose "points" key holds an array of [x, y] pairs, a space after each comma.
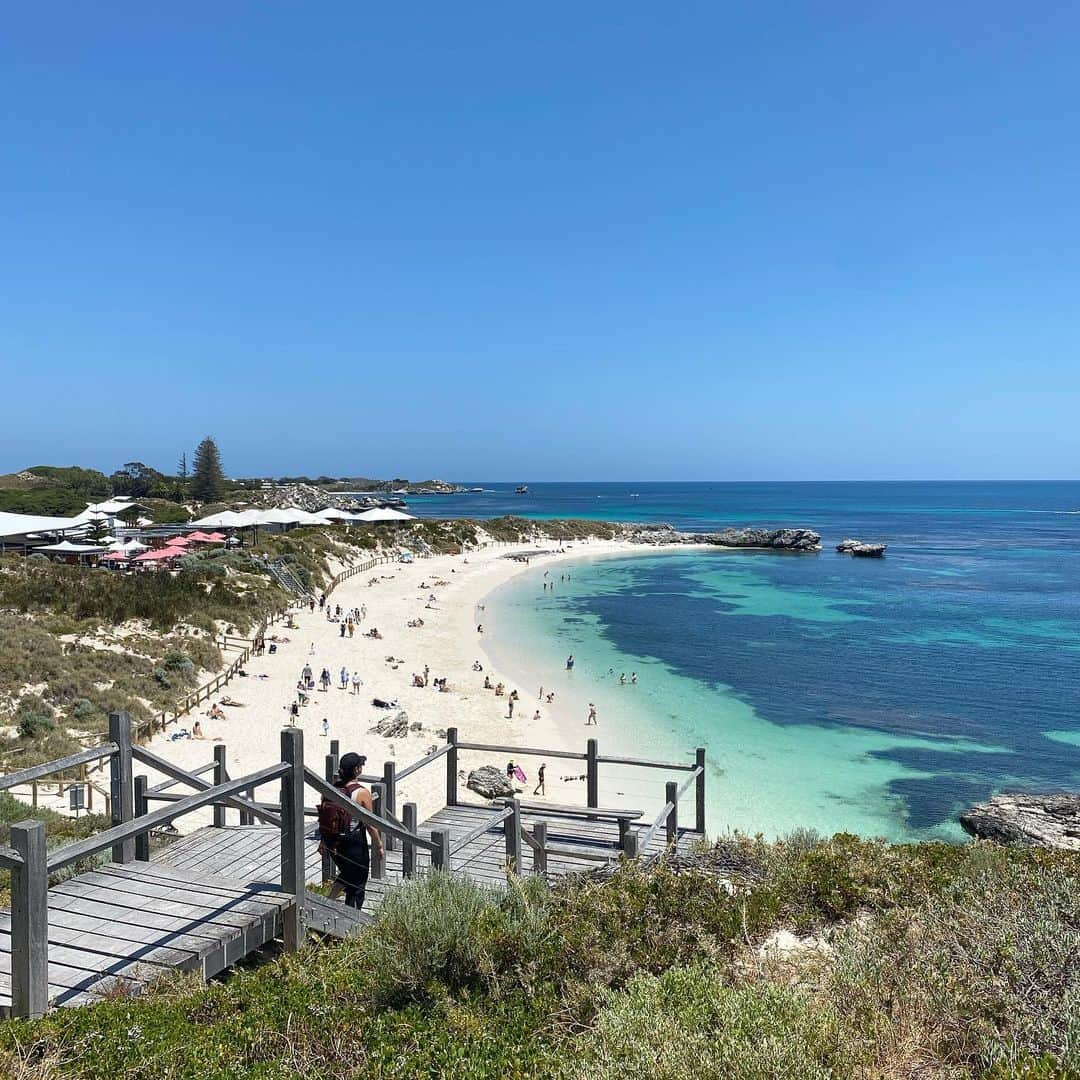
{"points": [[34, 718], [687, 1023], [447, 931]]}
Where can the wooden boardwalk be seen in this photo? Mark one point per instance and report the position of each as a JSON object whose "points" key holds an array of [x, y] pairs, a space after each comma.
{"points": [[209, 899]]}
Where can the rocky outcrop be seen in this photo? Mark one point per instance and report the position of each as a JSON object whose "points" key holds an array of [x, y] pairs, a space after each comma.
{"points": [[861, 549], [392, 727], [489, 782], [1020, 818], [778, 539]]}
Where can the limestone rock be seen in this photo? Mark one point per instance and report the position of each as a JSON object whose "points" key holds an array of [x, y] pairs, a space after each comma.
{"points": [[392, 727], [778, 539], [861, 549], [489, 782], [1020, 818]]}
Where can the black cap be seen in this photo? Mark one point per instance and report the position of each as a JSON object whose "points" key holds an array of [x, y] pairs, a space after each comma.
{"points": [[350, 762]]}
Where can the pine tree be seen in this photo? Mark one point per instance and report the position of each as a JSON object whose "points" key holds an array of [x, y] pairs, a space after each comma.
{"points": [[98, 530], [207, 476], [181, 478]]}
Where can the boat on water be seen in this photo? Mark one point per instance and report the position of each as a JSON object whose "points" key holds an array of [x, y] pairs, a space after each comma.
{"points": [[521, 489], [476, 490]]}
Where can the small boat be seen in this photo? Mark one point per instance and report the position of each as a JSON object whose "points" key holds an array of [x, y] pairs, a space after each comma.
{"points": [[521, 489], [477, 490]]}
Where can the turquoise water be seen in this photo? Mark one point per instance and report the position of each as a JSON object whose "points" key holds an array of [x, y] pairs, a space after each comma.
{"points": [[880, 697]]}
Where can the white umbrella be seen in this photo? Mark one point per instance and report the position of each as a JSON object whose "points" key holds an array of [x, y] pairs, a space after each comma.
{"points": [[133, 545], [383, 513], [224, 519], [66, 547]]}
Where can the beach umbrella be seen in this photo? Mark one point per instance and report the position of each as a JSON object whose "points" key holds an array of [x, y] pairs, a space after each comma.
{"points": [[216, 537], [114, 556], [134, 545], [200, 538], [383, 513]]}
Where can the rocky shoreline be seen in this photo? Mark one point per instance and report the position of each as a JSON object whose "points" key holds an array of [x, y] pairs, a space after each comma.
{"points": [[1029, 819], [803, 540]]}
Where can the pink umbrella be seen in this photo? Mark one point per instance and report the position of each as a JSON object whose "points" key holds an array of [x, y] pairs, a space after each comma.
{"points": [[159, 554], [178, 541], [115, 556], [199, 538], [218, 538]]}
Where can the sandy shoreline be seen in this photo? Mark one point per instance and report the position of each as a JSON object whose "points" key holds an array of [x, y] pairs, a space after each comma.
{"points": [[448, 643]]}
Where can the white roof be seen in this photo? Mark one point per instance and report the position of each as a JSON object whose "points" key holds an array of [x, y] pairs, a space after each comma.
{"points": [[21, 524], [70, 548], [332, 513], [383, 513], [225, 519]]}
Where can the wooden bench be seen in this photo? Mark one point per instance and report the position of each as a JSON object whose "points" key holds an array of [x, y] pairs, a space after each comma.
{"points": [[595, 813]]}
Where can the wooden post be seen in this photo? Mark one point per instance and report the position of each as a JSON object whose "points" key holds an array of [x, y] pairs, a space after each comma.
{"points": [[219, 778], [329, 870], [592, 774], [292, 836], [123, 792], [390, 797], [408, 849], [540, 851], [440, 857], [378, 865], [512, 831], [246, 816], [142, 841], [671, 795], [699, 791], [29, 922], [630, 845], [335, 749], [451, 766]]}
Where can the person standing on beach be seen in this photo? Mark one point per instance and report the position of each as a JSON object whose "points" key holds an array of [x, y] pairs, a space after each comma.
{"points": [[510, 706], [325, 727], [357, 682], [592, 715], [344, 675], [539, 789], [541, 697]]}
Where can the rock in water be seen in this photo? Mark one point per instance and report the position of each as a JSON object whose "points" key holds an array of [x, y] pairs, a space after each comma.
{"points": [[1019, 818], [861, 548], [392, 727], [489, 782], [779, 539]]}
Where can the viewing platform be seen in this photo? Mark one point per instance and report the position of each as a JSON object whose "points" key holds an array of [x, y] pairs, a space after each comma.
{"points": [[208, 899]]}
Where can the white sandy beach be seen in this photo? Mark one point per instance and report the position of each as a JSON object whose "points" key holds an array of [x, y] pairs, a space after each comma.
{"points": [[448, 643]]}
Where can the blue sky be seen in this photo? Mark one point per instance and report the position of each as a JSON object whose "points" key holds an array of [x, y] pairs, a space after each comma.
{"points": [[558, 241]]}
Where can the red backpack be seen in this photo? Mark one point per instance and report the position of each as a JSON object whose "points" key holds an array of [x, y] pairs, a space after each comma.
{"points": [[334, 820]]}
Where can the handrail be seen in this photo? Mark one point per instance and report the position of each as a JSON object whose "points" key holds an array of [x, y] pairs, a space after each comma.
{"points": [[328, 791], [647, 837], [10, 858], [483, 827], [645, 763], [82, 849], [47, 768], [148, 757], [691, 779], [427, 759], [528, 751]]}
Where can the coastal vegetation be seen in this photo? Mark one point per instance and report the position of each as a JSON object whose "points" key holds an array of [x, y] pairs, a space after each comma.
{"points": [[77, 644], [840, 958]]}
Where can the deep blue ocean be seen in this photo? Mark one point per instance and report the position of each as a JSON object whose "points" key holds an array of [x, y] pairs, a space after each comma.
{"points": [[880, 696]]}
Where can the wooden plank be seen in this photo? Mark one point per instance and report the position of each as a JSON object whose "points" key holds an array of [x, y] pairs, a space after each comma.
{"points": [[47, 768]]}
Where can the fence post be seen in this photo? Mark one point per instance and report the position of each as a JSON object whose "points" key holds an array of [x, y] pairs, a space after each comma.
{"points": [[123, 793], [512, 831], [142, 841], [29, 922], [699, 791], [378, 801], [671, 795], [335, 748], [329, 870], [219, 778], [592, 774], [246, 816], [292, 836], [390, 801], [630, 845], [451, 766], [408, 849], [440, 857], [540, 851]]}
